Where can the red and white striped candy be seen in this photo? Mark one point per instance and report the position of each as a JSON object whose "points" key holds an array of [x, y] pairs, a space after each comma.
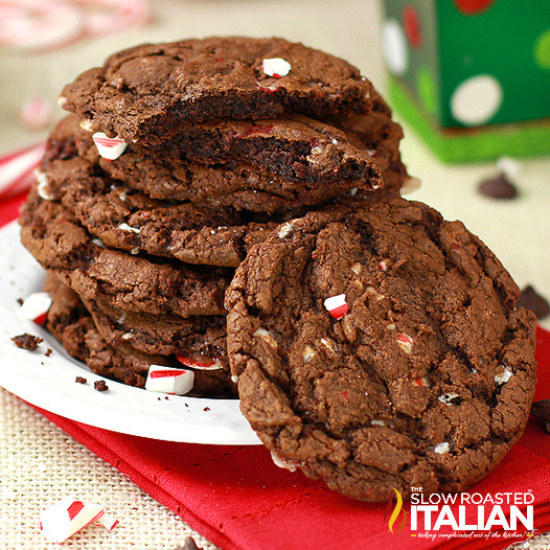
{"points": [[204, 364], [17, 170], [337, 306], [405, 342], [39, 24], [108, 521], [276, 67], [109, 148], [68, 516], [169, 380], [35, 307]]}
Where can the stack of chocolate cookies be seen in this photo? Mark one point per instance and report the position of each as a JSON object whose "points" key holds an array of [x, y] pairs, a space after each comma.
{"points": [[177, 160], [231, 207]]}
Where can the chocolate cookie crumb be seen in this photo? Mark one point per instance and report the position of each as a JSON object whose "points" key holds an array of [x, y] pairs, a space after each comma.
{"points": [[189, 544], [81, 380], [498, 188], [100, 385], [533, 301], [49, 351], [541, 411], [27, 341], [206, 409]]}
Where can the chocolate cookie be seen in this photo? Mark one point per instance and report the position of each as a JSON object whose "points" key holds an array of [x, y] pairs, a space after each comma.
{"points": [[233, 184], [132, 282], [245, 180], [71, 323], [199, 338], [129, 220], [379, 347], [146, 92]]}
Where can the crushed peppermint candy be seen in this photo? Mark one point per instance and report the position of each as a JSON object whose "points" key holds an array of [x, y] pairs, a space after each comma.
{"points": [[35, 307], [405, 342], [169, 380], [266, 336], [276, 67], [337, 306], [442, 448], [285, 230], [503, 375], [42, 185], [109, 148], [69, 516], [129, 228], [308, 354], [205, 363]]}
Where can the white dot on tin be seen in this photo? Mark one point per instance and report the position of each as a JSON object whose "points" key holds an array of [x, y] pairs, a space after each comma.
{"points": [[394, 47], [476, 100]]}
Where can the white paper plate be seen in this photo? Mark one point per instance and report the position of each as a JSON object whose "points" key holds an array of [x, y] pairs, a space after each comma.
{"points": [[49, 382]]}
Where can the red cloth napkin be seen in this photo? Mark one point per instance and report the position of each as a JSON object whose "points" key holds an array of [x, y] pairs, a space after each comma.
{"points": [[238, 499]]}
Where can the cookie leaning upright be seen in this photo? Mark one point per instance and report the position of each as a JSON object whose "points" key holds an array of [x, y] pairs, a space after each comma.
{"points": [[378, 347], [144, 93]]}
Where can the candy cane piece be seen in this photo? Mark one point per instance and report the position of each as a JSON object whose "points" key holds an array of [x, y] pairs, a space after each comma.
{"points": [[337, 306], [107, 521], [66, 517], [17, 169], [40, 24], [204, 364], [169, 380], [276, 67], [109, 148], [35, 307]]}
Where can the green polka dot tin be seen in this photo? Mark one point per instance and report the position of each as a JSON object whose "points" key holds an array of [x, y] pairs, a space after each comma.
{"points": [[471, 67]]}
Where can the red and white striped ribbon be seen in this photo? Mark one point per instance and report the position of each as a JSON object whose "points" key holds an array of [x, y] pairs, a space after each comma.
{"points": [[17, 169]]}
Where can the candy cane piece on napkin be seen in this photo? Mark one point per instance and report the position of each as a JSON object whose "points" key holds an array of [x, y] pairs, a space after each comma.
{"points": [[17, 169]]}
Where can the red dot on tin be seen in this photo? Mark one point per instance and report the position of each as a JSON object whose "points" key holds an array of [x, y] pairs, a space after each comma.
{"points": [[411, 26], [473, 7]]}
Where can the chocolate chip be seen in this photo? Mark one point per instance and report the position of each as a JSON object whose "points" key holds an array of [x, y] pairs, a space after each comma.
{"points": [[27, 341], [498, 188], [189, 544], [100, 385], [541, 411], [533, 301], [80, 380]]}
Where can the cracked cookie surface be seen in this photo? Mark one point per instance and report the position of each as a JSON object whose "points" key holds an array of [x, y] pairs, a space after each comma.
{"points": [[145, 92], [59, 243]]}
